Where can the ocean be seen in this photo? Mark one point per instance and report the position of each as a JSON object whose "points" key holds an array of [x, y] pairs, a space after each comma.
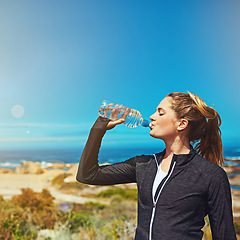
{"points": [[14, 158]]}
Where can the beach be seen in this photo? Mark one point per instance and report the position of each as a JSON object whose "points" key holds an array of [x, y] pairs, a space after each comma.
{"points": [[32, 175], [37, 179], [69, 195]]}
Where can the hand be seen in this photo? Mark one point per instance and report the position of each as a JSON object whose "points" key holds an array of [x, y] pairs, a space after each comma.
{"points": [[113, 123]]}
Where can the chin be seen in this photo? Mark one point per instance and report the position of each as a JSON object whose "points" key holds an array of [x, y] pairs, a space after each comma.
{"points": [[153, 135]]}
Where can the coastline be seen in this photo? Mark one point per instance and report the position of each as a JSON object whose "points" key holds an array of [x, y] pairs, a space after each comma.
{"points": [[36, 176]]}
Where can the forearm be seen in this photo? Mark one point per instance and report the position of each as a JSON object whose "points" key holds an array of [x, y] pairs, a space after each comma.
{"points": [[90, 172], [88, 165]]}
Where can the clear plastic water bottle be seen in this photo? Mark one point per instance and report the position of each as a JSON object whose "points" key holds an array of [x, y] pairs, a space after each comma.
{"points": [[133, 118]]}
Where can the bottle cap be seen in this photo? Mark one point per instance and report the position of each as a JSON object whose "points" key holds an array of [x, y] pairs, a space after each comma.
{"points": [[145, 123]]}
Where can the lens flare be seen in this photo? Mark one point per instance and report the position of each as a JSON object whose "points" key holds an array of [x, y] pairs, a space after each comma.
{"points": [[17, 111]]}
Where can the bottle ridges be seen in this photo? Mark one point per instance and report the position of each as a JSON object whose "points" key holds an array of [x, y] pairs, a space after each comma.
{"points": [[134, 119]]}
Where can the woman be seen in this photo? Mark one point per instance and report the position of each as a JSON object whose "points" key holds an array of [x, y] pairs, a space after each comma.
{"points": [[178, 187]]}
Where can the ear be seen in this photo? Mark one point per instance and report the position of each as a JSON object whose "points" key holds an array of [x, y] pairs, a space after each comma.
{"points": [[183, 123]]}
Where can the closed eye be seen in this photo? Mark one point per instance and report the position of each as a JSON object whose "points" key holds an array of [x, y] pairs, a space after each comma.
{"points": [[160, 111]]}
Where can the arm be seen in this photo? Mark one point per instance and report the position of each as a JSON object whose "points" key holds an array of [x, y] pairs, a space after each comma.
{"points": [[90, 172], [220, 207]]}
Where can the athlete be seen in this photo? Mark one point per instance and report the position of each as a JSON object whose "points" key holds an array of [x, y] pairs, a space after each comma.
{"points": [[179, 186]]}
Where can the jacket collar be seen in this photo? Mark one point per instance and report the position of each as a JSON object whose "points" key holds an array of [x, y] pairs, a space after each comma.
{"points": [[180, 159]]}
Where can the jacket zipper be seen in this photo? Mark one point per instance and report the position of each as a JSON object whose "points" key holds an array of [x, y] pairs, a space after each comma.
{"points": [[155, 202]]}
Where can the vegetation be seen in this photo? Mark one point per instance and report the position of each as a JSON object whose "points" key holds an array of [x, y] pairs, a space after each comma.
{"points": [[58, 181], [130, 194], [33, 215], [237, 225]]}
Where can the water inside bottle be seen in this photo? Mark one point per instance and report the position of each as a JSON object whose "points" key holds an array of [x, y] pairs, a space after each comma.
{"points": [[133, 118], [112, 111]]}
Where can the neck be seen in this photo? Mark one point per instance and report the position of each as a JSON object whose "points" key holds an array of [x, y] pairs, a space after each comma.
{"points": [[178, 146]]}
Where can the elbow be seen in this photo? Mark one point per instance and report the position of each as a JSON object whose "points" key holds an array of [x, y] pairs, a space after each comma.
{"points": [[84, 179], [87, 177], [81, 179], [80, 176]]}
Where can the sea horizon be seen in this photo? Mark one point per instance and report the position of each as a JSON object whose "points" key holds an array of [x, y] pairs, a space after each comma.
{"points": [[14, 158]]}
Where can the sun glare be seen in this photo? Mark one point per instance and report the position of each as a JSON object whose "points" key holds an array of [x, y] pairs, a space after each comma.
{"points": [[17, 111]]}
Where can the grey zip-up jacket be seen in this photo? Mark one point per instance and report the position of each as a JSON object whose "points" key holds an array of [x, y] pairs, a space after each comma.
{"points": [[192, 189]]}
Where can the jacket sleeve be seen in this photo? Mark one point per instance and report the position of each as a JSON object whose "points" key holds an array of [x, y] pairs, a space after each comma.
{"points": [[89, 172], [220, 207]]}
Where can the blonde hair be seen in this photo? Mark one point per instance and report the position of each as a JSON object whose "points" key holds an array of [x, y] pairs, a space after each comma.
{"points": [[203, 127]]}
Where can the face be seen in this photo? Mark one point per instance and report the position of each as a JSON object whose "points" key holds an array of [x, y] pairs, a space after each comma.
{"points": [[164, 121]]}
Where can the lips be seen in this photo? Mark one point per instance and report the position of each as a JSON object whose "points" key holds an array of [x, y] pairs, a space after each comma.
{"points": [[150, 125]]}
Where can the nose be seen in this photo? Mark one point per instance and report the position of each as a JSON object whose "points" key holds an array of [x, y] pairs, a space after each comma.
{"points": [[152, 117]]}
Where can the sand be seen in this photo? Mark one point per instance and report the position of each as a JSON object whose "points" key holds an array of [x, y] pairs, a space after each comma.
{"points": [[12, 183]]}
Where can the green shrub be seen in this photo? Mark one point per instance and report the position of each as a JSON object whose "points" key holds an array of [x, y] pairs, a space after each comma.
{"points": [[237, 225], [14, 223], [79, 220], [130, 194], [26, 214], [72, 185], [97, 205]]}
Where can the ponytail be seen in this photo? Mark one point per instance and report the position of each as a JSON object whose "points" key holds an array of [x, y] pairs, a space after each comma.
{"points": [[204, 125], [210, 145]]}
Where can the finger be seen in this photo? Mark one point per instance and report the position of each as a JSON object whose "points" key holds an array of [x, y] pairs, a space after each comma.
{"points": [[112, 124], [108, 109], [115, 112], [126, 112]]}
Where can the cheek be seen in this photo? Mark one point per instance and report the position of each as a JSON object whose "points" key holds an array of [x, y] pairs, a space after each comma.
{"points": [[165, 126], [163, 122]]}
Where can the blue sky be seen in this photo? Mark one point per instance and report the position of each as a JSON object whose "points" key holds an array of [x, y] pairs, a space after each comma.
{"points": [[60, 59]]}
